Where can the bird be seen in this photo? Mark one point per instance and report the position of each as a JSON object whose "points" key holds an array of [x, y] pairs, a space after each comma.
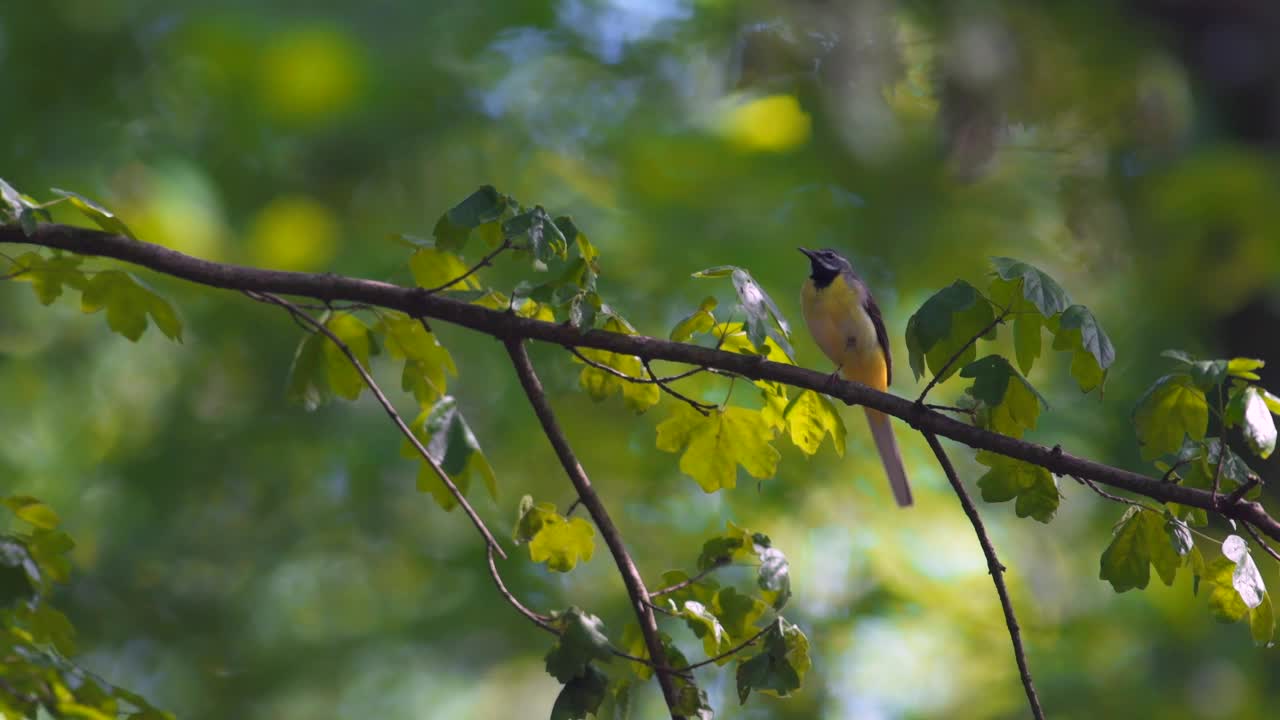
{"points": [[845, 322]]}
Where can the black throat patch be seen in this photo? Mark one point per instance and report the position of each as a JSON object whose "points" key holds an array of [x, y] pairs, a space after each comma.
{"points": [[822, 275]]}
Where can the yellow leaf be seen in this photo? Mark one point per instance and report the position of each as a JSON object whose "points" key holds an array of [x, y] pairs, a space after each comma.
{"points": [[811, 418], [715, 445]]}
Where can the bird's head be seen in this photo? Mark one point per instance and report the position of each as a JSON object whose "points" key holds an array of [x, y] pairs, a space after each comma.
{"points": [[826, 265]]}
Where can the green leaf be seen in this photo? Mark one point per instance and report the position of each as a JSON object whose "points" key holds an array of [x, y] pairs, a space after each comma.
{"points": [[1034, 487], [31, 510], [47, 275], [1262, 622], [128, 303], [433, 268], [427, 363], [582, 640], [308, 383], [700, 321], [781, 665], [737, 612], [706, 627], [1225, 602], [718, 271], [1026, 340], [1246, 579], [1248, 409], [1140, 541], [449, 441], [101, 216], [1244, 368], [1272, 402], [735, 545], [1013, 404], [344, 379], [1172, 408], [581, 696], [1092, 352], [482, 206], [716, 444], [536, 227], [1042, 291], [600, 384], [810, 417], [947, 322]]}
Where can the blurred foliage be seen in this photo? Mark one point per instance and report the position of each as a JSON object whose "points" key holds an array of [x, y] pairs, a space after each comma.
{"points": [[238, 556]]}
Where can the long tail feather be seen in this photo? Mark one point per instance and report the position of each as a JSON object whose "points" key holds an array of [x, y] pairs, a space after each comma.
{"points": [[890, 456]]}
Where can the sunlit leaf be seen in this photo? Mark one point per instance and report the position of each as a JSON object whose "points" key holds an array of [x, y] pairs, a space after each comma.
{"points": [[48, 275], [1172, 408], [715, 445], [344, 379], [31, 510], [706, 627], [1026, 340], [1244, 368], [433, 268], [774, 576], [1225, 602], [699, 321], [1262, 622], [737, 612], [810, 418], [427, 363]]}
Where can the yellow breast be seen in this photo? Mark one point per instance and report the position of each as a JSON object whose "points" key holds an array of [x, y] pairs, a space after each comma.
{"points": [[844, 331]]}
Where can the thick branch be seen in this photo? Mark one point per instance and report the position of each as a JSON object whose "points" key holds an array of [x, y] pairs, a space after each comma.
{"points": [[591, 501], [996, 570], [419, 303]]}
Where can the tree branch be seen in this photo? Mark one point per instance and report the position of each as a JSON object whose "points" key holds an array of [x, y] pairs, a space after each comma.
{"points": [[591, 501], [994, 567], [484, 262], [418, 303], [391, 411], [688, 581]]}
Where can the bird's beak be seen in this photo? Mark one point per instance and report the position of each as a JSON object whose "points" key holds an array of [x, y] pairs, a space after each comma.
{"points": [[807, 252]]}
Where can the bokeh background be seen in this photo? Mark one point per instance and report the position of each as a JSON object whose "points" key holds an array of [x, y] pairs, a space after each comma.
{"points": [[239, 557]]}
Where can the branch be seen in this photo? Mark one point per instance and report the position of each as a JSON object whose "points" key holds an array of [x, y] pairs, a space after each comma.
{"points": [[391, 411], [418, 303], [937, 377], [738, 648], [591, 501], [994, 567]]}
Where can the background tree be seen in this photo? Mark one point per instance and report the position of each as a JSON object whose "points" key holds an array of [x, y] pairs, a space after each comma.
{"points": [[222, 534]]}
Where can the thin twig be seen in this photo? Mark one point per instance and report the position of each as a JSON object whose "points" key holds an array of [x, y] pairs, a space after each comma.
{"points": [[591, 501], [688, 581], [651, 380], [703, 408], [1172, 469], [952, 408], [391, 411], [956, 356], [484, 262], [736, 649], [538, 619], [1261, 542], [573, 506], [1217, 474], [994, 567]]}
